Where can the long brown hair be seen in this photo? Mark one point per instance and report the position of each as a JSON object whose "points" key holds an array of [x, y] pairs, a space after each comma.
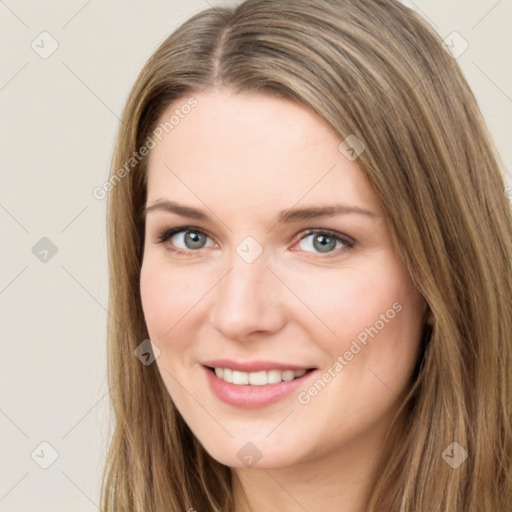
{"points": [[376, 70]]}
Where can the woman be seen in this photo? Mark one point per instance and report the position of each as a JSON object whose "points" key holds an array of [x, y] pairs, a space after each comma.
{"points": [[308, 220]]}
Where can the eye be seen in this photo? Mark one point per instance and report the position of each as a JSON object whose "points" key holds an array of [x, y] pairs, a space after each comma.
{"points": [[325, 241], [184, 239]]}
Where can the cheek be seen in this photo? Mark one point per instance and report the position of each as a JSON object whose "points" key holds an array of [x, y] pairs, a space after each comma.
{"points": [[156, 295], [343, 304], [371, 316], [370, 330], [167, 302], [166, 297], [175, 304]]}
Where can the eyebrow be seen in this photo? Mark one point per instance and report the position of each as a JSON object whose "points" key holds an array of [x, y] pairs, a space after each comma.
{"points": [[285, 216]]}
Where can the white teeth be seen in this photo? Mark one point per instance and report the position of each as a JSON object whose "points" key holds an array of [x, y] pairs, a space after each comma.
{"points": [[274, 376], [261, 378], [257, 378], [240, 377], [288, 375]]}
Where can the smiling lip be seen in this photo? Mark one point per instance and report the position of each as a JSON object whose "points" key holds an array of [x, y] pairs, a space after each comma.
{"points": [[247, 396], [253, 366]]}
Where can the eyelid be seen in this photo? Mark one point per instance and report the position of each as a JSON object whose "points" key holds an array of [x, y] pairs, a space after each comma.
{"points": [[164, 235], [348, 241], [167, 233]]}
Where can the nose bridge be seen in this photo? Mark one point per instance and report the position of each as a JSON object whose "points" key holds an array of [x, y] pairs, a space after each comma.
{"points": [[247, 298]]}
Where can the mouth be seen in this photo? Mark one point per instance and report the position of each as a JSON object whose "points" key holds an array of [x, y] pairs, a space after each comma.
{"points": [[258, 378], [252, 390]]}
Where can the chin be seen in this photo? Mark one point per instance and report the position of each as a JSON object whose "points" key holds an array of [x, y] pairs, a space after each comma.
{"points": [[251, 454]]}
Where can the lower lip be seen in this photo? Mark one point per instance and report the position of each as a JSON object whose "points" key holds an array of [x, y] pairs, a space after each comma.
{"points": [[252, 397]]}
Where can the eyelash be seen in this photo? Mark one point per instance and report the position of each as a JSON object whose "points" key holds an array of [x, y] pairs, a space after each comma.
{"points": [[348, 242]]}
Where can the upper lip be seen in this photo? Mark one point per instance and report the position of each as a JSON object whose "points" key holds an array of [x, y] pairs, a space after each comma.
{"points": [[254, 366]]}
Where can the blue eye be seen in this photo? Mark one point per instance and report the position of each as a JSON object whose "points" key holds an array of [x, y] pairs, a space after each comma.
{"points": [[323, 242], [191, 239]]}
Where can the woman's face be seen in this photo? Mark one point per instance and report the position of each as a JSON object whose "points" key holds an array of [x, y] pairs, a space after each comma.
{"points": [[285, 263]]}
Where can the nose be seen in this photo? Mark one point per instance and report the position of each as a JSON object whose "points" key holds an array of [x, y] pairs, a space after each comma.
{"points": [[248, 300]]}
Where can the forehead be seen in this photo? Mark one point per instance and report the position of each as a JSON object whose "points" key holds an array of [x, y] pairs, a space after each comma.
{"points": [[252, 149]]}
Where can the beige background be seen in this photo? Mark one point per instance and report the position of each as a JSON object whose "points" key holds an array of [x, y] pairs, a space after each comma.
{"points": [[59, 116]]}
